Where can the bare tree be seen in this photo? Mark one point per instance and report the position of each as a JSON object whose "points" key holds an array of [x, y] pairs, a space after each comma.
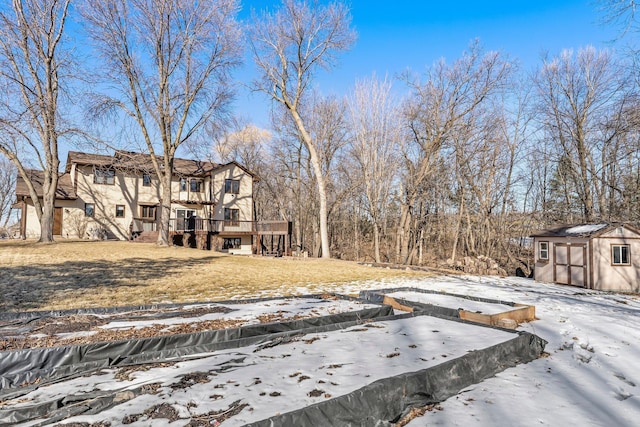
{"points": [[34, 64], [581, 98], [289, 46], [8, 174], [375, 125], [620, 13], [442, 108], [166, 68], [246, 145]]}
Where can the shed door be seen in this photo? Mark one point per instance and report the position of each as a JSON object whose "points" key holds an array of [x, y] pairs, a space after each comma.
{"points": [[570, 264]]}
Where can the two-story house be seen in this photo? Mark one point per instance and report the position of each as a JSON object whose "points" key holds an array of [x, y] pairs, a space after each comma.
{"points": [[118, 197]]}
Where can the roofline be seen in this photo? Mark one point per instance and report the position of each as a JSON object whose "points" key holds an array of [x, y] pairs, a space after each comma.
{"points": [[233, 162], [603, 230], [214, 166]]}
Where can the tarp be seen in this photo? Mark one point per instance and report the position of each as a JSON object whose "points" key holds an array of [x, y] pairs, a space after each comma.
{"points": [[40, 365], [384, 402], [377, 297], [380, 403]]}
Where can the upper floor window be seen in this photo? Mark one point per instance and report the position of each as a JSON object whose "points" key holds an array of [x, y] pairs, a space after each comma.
{"points": [[231, 216], [543, 251], [620, 255], [196, 185], [232, 186], [183, 184], [146, 180], [104, 176], [119, 211]]}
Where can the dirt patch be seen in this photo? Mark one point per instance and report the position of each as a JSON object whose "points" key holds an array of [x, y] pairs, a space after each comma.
{"points": [[278, 316], [191, 379], [98, 424], [315, 393], [75, 323], [163, 410], [216, 418]]}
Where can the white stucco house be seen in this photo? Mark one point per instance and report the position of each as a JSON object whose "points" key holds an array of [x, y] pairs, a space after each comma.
{"points": [[603, 256], [117, 196]]}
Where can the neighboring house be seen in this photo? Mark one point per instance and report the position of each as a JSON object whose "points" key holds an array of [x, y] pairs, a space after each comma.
{"points": [[118, 196], [594, 256]]}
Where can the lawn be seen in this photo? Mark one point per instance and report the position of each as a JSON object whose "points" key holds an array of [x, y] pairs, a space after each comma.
{"points": [[75, 274]]}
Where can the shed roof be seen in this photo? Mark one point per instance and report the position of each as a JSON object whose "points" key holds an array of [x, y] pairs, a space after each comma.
{"points": [[65, 190], [583, 230]]}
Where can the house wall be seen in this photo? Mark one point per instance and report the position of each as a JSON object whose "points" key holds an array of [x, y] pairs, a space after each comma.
{"points": [[32, 226], [544, 270], [608, 277], [127, 190], [243, 201], [245, 247]]}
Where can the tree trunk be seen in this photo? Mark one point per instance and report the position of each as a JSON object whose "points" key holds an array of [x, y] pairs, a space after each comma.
{"points": [[376, 241], [322, 192], [165, 209]]}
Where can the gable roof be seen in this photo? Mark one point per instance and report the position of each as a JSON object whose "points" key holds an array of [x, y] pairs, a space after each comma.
{"points": [[139, 162], [64, 191], [583, 230], [238, 165]]}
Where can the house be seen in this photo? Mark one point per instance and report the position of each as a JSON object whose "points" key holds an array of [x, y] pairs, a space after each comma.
{"points": [[118, 197], [602, 256]]}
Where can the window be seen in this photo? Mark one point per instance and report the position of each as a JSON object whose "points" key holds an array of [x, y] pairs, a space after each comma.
{"points": [[232, 243], [104, 176], [183, 184], [89, 209], [119, 211], [620, 255], [148, 212], [543, 251], [182, 218], [196, 185], [146, 180], [231, 214], [232, 186]]}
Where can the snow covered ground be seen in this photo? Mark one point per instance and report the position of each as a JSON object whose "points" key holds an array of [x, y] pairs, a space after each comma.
{"points": [[591, 376], [282, 378]]}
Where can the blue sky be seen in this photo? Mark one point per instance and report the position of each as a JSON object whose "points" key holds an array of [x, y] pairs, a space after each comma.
{"points": [[394, 36]]}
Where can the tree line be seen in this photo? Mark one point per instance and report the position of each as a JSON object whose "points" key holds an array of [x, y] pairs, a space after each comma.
{"points": [[474, 155]]}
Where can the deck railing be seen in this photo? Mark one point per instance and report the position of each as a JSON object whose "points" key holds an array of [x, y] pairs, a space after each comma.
{"points": [[190, 225]]}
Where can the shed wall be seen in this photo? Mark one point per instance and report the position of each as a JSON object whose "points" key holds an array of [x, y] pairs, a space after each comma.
{"points": [[609, 277]]}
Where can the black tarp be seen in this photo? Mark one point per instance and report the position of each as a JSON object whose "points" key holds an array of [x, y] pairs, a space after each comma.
{"points": [[377, 296], [380, 403], [18, 367], [384, 402]]}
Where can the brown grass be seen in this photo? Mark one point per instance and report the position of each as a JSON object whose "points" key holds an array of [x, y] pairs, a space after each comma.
{"points": [[75, 274]]}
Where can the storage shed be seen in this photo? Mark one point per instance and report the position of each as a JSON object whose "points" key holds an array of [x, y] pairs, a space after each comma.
{"points": [[602, 256]]}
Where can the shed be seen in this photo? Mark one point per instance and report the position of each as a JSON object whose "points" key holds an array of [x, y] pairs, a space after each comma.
{"points": [[603, 256]]}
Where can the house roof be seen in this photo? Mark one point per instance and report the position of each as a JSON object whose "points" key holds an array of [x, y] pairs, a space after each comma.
{"points": [[140, 162], [64, 191], [582, 230]]}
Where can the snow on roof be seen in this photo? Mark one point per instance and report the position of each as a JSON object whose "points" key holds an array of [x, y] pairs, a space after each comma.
{"points": [[577, 230], [585, 228]]}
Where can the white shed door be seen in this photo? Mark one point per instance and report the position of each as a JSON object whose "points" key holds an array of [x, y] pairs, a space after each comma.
{"points": [[570, 264]]}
